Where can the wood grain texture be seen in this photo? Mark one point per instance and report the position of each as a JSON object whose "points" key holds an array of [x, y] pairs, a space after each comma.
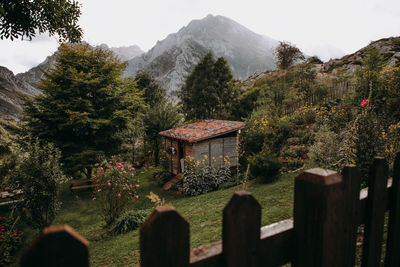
{"points": [[351, 203], [375, 212], [241, 231], [57, 246], [164, 239], [392, 258], [318, 223]]}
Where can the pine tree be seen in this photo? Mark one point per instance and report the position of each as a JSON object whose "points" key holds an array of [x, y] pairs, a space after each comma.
{"points": [[84, 105], [208, 90]]}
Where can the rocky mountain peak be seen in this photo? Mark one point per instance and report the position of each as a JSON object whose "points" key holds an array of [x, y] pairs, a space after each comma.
{"points": [[171, 60]]}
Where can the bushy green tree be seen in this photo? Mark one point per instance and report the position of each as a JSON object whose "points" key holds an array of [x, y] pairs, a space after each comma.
{"points": [[84, 106], [39, 174], [160, 117], [287, 54], [22, 18], [159, 114], [153, 92], [208, 91]]}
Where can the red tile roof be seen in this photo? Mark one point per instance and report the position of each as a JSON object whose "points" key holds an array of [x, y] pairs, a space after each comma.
{"points": [[202, 130]]}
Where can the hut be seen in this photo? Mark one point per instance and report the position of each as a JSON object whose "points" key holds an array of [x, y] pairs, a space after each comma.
{"points": [[211, 138]]}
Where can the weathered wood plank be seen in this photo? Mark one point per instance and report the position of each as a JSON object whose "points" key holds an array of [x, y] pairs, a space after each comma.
{"points": [[318, 229], [376, 205], [207, 256], [164, 239], [57, 246], [351, 203], [276, 239], [276, 243], [241, 231], [392, 258]]}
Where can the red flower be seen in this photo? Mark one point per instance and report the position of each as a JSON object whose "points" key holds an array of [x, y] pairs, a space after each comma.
{"points": [[365, 102]]}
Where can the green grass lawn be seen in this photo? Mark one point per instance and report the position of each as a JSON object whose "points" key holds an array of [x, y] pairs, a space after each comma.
{"points": [[204, 213]]}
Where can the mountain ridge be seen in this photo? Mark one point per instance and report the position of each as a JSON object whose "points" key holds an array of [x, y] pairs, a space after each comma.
{"points": [[172, 59]]}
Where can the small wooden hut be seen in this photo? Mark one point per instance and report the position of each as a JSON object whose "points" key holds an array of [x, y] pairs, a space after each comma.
{"points": [[211, 138]]}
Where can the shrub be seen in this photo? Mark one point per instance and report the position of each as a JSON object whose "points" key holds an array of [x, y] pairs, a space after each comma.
{"points": [[294, 164], [129, 221], [10, 241], [117, 185], [39, 174], [264, 167], [200, 178]]}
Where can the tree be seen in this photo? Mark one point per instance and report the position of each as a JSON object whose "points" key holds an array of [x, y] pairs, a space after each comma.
{"points": [[208, 90], [162, 116], [84, 107], [153, 92], [39, 173], [159, 115], [287, 54], [22, 18]]}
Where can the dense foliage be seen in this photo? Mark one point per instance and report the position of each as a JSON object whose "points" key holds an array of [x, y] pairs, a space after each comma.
{"points": [[24, 18], [287, 54], [84, 107], [10, 241], [129, 221], [264, 167], [208, 91], [202, 177], [39, 174]]}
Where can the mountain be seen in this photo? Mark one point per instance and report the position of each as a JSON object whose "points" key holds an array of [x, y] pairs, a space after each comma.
{"points": [[388, 48], [171, 60], [125, 52], [11, 90]]}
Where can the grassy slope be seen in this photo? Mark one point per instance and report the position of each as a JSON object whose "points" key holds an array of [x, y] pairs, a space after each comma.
{"points": [[204, 214]]}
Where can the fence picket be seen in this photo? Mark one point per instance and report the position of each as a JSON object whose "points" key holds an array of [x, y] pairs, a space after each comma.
{"points": [[392, 258], [164, 239], [351, 204], [373, 230], [57, 246], [241, 231], [318, 227]]}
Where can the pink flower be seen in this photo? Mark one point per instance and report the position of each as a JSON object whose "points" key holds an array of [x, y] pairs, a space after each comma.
{"points": [[118, 195], [137, 197], [110, 167], [15, 233], [98, 171], [132, 169], [124, 171], [364, 103], [99, 190], [109, 184], [94, 176], [94, 198], [130, 186]]}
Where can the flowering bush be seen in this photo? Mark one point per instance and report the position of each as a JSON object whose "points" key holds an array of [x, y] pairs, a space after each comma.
{"points": [[117, 184], [10, 241], [200, 177]]}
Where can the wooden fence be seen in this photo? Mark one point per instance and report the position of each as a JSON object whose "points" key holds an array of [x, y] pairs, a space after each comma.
{"points": [[328, 208], [337, 91]]}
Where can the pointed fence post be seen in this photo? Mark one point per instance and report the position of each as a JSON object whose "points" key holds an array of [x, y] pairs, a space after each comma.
{"points": [[375, 217], [241, 231], [393, 240], [57, 246], [164, 239], [318, 225], [351, 203]]}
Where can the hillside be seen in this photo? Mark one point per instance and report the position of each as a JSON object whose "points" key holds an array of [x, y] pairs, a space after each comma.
{"points": [[389, 49], [171, 60]]}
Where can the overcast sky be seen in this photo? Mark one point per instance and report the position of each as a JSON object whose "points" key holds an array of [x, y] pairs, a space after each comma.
{"points": [[325, 28]]}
